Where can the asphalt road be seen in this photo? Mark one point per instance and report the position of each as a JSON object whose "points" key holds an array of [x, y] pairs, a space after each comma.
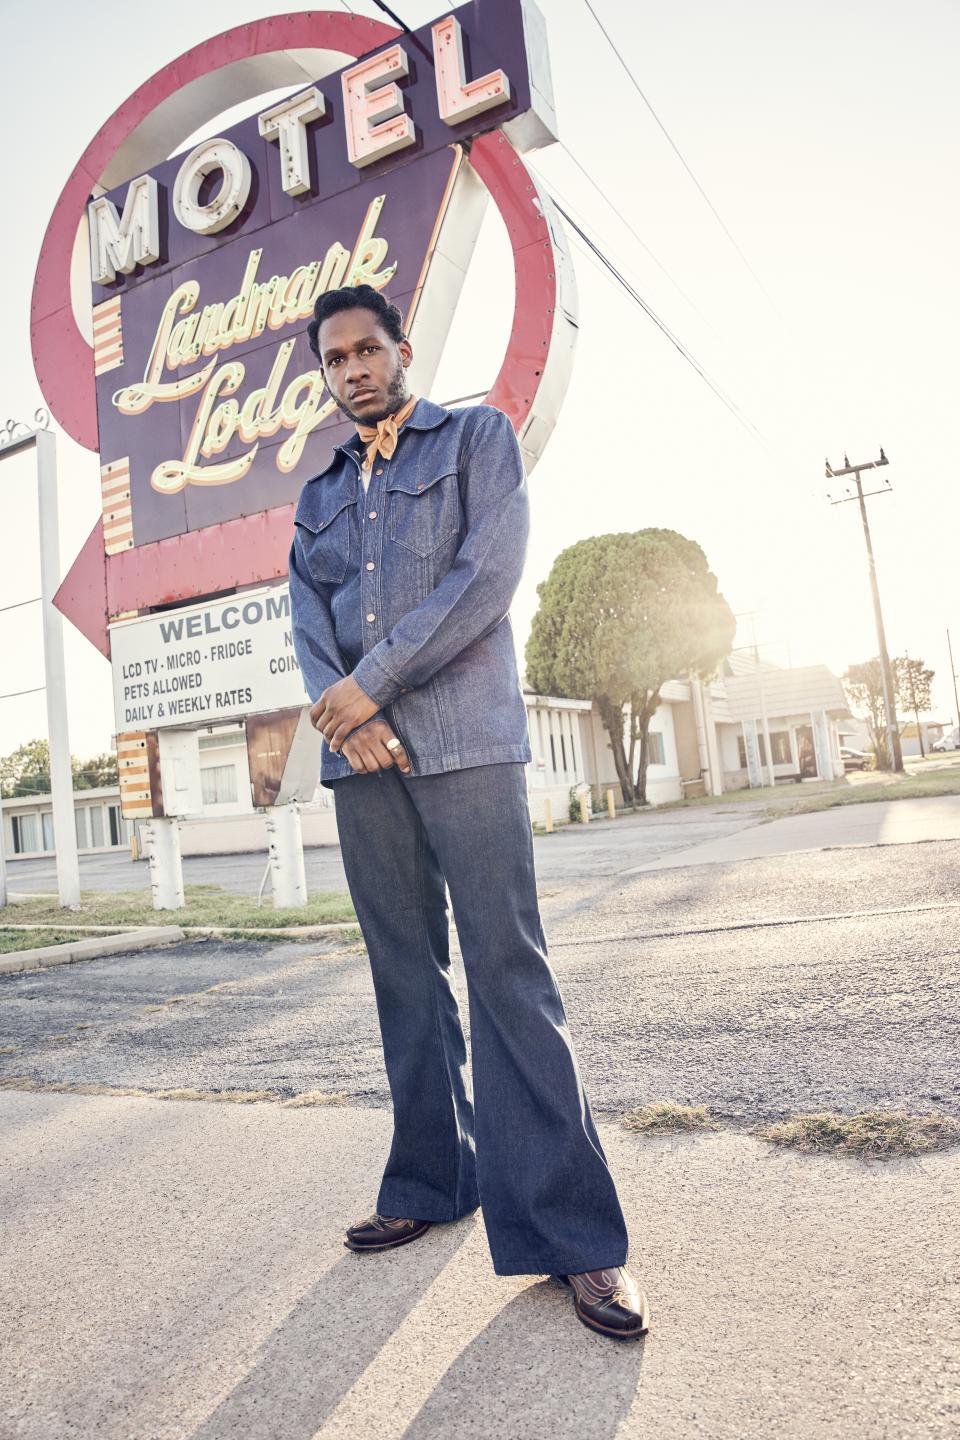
{"points": [[571, 852], [805, 981]]}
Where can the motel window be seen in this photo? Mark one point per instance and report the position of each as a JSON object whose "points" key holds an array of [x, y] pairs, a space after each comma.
{"points": [[655, 755], [553, 755], [46, 824], [113, 812], [563, 750], [26, 834], [219, 784], [761, 750], [81, 826], [96, 825], [780, 745]]}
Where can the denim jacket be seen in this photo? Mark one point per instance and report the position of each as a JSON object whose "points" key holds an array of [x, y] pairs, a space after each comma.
{"points": [[408, 587]]}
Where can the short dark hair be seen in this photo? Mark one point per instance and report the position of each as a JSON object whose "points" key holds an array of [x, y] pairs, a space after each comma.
{"points": [[354, 297]]}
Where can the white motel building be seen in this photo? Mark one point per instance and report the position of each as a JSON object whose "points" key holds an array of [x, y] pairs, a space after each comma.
{"points": [[751, 724]]}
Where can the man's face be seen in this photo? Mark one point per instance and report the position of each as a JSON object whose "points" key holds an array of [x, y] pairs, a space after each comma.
{"points": [[365, 371]]}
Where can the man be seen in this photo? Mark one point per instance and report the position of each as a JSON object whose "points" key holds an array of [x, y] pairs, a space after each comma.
{"points": [[408, 549]]}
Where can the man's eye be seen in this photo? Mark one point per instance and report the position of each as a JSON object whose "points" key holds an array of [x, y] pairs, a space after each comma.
{"points": [[370, 348], [334, 361]]}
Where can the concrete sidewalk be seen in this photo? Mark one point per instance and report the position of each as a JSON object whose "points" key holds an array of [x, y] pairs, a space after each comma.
{"points": [[175, 1270], [878, 822]]}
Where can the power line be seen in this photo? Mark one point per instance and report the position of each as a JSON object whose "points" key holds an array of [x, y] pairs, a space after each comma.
{"points": [[12, 694], [674, 147], [19, 603], [639, 238], [662, 326]]}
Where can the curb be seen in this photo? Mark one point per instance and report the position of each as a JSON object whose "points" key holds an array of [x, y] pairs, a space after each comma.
{"points": [[48, 955]]}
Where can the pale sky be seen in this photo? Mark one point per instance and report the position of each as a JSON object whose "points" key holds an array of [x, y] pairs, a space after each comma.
{"points": [[825, 135]]}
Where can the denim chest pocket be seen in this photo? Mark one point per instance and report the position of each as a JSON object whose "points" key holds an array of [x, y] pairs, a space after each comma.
{"points": [[328, 549], [424, 515]]}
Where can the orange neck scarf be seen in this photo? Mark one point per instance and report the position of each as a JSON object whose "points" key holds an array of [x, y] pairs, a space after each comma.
{"points": [[383, 436]]}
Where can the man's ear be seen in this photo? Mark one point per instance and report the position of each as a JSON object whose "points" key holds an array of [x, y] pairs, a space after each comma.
{"points": [[406, 352]]}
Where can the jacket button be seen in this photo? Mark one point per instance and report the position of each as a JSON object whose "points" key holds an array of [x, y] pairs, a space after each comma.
{"points": [[371, 617], [373, 514], [370, 565]]}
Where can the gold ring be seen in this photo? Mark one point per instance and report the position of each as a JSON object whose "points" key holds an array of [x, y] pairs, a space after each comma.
{"points": [[393, 744]]}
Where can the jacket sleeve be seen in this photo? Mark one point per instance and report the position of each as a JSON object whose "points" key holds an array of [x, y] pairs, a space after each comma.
{"points": [[314, 641], [477, 590]]}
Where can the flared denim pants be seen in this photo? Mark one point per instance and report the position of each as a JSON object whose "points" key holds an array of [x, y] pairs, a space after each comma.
{"points": [[525, 1149]]}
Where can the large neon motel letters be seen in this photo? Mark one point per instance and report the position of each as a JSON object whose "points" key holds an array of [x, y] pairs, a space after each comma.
{"points": [[376, 125]]}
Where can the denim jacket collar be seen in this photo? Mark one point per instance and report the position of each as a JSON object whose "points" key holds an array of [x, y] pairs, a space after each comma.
{"points": [[425, 416]]}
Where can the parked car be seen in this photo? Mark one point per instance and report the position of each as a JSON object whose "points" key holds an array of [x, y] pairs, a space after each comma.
{"points": [[855, 759], [946, 742]]}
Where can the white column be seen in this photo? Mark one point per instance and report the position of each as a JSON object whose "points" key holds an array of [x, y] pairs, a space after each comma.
{"points": [[566, 732], [539, 752], [554, 749], [61, 773], [3, 856], [577, 747], [166, 866], [287, 874]]}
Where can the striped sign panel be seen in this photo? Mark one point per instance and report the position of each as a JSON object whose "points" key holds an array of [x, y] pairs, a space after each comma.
{"points": [[133, 769], [117, 514], [107, 336]]}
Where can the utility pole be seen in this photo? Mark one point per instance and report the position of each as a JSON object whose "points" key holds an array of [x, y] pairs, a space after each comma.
{"points": [[953, 676], [886, 674]]}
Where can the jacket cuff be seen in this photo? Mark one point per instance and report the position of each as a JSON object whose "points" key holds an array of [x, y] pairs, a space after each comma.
{"points": [[376, 680]]}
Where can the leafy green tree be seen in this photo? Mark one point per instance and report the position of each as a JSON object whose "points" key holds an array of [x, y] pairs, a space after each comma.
{"points": [[26, 771], [911, 691], [99, 770], [619, 616], [864, 686], [913, 681]]}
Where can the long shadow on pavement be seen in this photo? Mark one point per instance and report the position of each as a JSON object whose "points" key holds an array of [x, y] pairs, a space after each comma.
{"points": [[535, 1370], [328, 1339]]}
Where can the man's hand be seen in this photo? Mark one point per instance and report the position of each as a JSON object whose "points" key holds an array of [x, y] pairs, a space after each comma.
{"points": [[340, 709], [366, 749]]}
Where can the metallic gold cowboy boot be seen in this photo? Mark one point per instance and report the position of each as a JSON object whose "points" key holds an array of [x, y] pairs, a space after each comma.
{"points": [[610, 1301], [384, 1232]]}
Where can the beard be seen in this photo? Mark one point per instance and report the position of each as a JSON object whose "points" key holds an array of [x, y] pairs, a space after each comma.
{"points": [[397, 393]]}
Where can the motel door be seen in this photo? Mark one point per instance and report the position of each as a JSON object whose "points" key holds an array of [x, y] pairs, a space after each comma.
{"points": [[806, 753]]}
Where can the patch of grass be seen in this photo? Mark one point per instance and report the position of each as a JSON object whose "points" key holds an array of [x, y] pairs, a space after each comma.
{"points": [[232, 1097], [206, 905], [871, 785], [315, 1097], [874, 1135], [664, 1117], [12, 940], [853, 789]]}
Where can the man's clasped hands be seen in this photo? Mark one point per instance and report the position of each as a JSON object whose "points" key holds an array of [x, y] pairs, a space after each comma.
{"points": [[343, 715]]}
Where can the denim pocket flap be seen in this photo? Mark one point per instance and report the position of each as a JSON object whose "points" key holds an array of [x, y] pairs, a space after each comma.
{"points": [[328, 547], [309, 512], [424, 514]]}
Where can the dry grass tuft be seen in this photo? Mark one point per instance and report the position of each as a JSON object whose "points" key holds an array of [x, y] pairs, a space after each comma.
{"points": [[235, 1097], [874, 1135], [664, 1117], [315, 1097]]}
